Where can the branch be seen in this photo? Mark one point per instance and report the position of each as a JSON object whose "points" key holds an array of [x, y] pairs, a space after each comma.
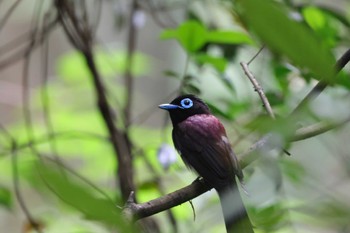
{"points": [[13, 45], [321, 85], [135, 211], [128, 77], [258, 89], [317, 129], [16, 183], [81, 36], [8, 14]]}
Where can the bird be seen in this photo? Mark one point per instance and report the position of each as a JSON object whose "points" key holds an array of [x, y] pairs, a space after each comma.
{"points": [[201, 140]]}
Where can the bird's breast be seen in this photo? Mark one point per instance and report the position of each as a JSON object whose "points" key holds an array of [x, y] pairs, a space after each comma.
{"points": [[204, 125]]}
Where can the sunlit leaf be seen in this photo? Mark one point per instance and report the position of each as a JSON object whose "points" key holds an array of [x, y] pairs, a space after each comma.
{"points": [[314, 17], [191, 35], [228, 37], [288, 37], [322, 23], [336, 14]]}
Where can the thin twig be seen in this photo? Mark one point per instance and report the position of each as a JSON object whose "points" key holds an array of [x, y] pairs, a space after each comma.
{"points": [[22, 52], [97, 18], [8, 14], [150, 7], [199, 187], [27, 116], [16, 184], [45, 99], [258, 89], [128, 76], [256, 55], [81, 37], [317, 129], [184, 73]]}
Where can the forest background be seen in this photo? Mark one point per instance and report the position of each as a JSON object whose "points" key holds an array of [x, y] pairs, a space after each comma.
{"points": [[80, 82]]}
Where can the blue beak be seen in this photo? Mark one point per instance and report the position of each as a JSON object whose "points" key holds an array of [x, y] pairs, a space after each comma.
{"points": [[169, 106]]}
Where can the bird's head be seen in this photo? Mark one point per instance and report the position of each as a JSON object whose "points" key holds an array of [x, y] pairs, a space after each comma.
{"points": [[185, 106]]}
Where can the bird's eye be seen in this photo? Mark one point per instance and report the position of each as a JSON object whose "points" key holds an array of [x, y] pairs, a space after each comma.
{"points": [[186, 103]]}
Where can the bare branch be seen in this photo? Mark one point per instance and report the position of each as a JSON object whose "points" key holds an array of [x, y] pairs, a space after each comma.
{"points": [[32, 43], [256, 55], [137, 211], [198, 187], [258, 89], [16, 183], [8, 14], [317, 129]]}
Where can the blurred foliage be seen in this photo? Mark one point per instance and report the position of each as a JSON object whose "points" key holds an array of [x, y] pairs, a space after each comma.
{"points": [[5, 197], [73, 68], [301, 42], [59, 182], [295, 41], [192, 36]]}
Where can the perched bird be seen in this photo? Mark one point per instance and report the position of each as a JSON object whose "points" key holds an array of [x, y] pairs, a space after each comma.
{"points": [[201, 140]]}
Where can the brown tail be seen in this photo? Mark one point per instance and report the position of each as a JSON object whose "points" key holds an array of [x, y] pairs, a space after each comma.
{"points": [[235, 214]]}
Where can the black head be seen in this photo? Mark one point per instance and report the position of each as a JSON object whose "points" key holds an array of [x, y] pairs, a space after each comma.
{"points": [[185, 106]]}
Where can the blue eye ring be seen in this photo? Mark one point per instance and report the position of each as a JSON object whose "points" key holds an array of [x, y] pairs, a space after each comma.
{"points": [[186, 103]]}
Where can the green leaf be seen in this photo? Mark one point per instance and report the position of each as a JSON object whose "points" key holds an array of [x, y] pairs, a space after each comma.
{"points": [[343, 79], [293, 170], [281, 72], [325, 26], [228, 37], [5, 197], [217, 62], [270, 218], [314, 17], [171, 74], [288, 37], [275, 98], [190, 34]]}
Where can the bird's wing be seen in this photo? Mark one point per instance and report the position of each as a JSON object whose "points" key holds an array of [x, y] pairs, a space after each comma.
{"points": [[205, 148]]}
